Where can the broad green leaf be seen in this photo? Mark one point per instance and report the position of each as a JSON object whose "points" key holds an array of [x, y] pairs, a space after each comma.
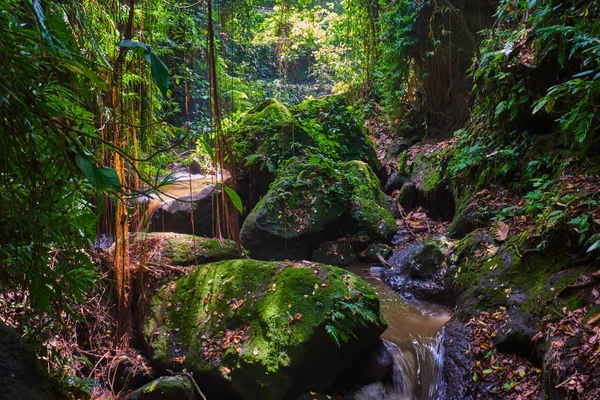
{"points": [[235, 199], [160, 72], [134, 45], [103, 178]]}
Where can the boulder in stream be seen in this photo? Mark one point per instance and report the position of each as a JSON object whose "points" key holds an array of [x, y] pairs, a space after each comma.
{"points": [[312, 199], [262, 330], [176, 215]]}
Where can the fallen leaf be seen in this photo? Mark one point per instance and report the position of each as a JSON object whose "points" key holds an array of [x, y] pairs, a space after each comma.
{"points": [[501, 232], [237, 304], [593, 319]]}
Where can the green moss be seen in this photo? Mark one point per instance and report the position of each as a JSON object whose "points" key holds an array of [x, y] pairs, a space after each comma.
{"points": [[332, 125], [281, 306], [506, 279], [432, 181], [402, 165], [267, 135], [307, 195], [183, 249], [166, 387]]}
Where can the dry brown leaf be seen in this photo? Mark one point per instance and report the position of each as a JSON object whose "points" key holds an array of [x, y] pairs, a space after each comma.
{"points": [[501, 232], [593, 319]]}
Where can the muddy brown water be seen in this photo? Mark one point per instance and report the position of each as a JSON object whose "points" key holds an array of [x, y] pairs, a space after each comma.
{"points": [[414, 338]]}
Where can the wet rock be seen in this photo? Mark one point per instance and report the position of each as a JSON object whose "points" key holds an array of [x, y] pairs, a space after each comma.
{"points": [[21, 375], [427, 262], [402, 257], [407, 197], [419, 271], [456, 360], [336, 253], [377, 363], [178, 387], [276, 344], [176, 215], [374, 391]]}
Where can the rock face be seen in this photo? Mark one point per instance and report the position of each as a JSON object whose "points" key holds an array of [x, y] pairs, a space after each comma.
{"points": [[21, 375], [182, 249], [266, 330], [426, 185], [456, 360], [311, 200], [176, 215]]}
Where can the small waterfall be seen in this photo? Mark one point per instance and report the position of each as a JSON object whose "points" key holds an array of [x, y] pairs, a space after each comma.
{"points": [[417, 372]]}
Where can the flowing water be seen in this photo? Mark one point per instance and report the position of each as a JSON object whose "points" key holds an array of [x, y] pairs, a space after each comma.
{"points": [[414, 338]]}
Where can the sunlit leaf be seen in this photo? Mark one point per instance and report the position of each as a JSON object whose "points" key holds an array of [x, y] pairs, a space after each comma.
{"points": [[235, 199]]}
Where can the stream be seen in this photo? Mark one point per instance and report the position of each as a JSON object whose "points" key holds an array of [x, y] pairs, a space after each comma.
{"points": [[414, 338]]}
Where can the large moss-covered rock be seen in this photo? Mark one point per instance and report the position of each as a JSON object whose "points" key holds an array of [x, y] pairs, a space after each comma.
{"points": [[183, 249], [270, 133], [338, 134], [274, 330], [311, 199], [267, 135]]}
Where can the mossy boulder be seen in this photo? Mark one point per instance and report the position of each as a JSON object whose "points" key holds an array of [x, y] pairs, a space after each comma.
{"points": [[314, 198], [267, 135], [269, 330], [183, 249], [333, 125], [271, 133]]}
